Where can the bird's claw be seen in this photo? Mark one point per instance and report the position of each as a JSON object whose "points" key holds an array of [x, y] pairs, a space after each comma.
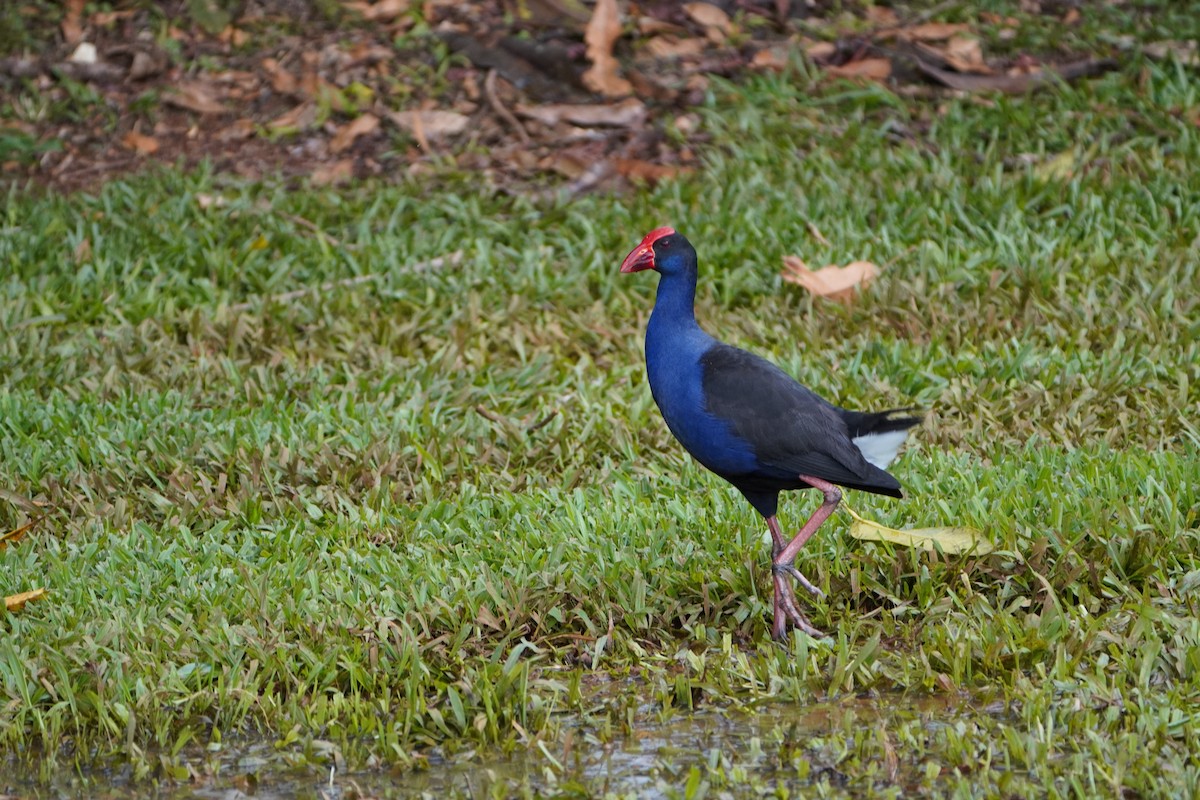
{"points": [[790, 569], [786, 610]]}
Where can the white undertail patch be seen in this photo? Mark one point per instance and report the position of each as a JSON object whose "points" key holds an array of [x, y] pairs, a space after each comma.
{"points": [[881, 448]]}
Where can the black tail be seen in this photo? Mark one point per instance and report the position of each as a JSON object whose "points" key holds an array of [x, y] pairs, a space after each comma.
{"points": [[862, 423]]}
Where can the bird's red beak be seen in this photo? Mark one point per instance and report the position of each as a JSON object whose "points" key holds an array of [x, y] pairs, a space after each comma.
{"points": [[642, 256]]}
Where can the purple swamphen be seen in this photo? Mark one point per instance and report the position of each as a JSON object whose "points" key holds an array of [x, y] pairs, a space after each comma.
{"points": [[753, 424]]}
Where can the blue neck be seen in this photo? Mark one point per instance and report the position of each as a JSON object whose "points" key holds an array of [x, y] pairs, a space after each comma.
{"points": [[675, 303]]}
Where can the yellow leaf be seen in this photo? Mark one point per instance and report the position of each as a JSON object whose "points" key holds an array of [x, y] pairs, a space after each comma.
{"points": [[955, 539], [15, 602], [17, 534], [1059, 168]]}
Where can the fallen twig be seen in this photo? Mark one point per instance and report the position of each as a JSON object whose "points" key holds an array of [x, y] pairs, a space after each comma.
{"points": [[1016, 84], [312, 226], [489, 89]]}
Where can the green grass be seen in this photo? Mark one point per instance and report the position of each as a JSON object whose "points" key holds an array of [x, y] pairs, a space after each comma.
{"points": [[435, 511]]}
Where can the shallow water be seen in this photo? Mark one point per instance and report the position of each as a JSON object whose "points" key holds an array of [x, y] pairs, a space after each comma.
{"points": [[655, 759]]}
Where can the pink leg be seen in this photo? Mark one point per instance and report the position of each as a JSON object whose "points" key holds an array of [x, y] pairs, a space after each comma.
{"points": [[784, 556]]}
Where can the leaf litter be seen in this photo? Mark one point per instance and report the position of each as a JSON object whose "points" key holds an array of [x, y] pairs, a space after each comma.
{"points": [[363, 91]]}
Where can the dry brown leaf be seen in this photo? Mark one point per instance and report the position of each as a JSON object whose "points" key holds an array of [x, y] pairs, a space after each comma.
{"points": [[330, 174], [568, 163], [348, 133], [72, 25], [832, 282], [486, 618], [820, 51], [882, 16], [17, 534], [106, 18], [708, 15], [639, 170], [83, 254], [628, 113], [1072, 16], [194, 96], [16, 602], [602, 33], [234, 36], [650, 26], [140, 143], [774, 59], [239, 131], [299, 118], [432, 125], [965, 54], [148, 63], [383, 11], [876, 69], [934, 31], [998, 19], [282, 81], [674, 47]]}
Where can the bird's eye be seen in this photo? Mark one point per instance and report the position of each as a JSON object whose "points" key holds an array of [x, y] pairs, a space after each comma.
{"points": [[666, 242]]}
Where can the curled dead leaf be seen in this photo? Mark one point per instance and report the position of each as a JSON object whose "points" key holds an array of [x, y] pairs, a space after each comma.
{"points": [[282, 81], [196, 96], [335, 173], [17, 534], [933, 31], [238, 131], [72, 21], [882, 16], [820, 51], [628, 113], [965, 54], [299, 118], [349, 133], [709, 16], [602, 33], [832, 282], [674, 47], [16, 602], [774, 59], [875, 69], [638, 170], [431, 124], [382, 11], [140, 143]]}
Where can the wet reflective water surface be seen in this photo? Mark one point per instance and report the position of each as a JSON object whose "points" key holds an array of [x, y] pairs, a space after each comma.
{"points": [[660, 755]]}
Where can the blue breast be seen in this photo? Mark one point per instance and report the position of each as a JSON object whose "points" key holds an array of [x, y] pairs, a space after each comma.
{"points": [[673, 350]]}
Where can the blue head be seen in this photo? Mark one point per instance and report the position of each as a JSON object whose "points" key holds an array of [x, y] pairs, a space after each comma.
{"points": [[665, 251]]}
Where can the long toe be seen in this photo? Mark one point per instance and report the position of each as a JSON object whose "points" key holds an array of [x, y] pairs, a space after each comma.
{"points": [[779, 619], [785, 599], [790, 569]]}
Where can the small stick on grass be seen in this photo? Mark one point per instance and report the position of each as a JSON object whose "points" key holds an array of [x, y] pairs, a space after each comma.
{"points": [[489, 89]]}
